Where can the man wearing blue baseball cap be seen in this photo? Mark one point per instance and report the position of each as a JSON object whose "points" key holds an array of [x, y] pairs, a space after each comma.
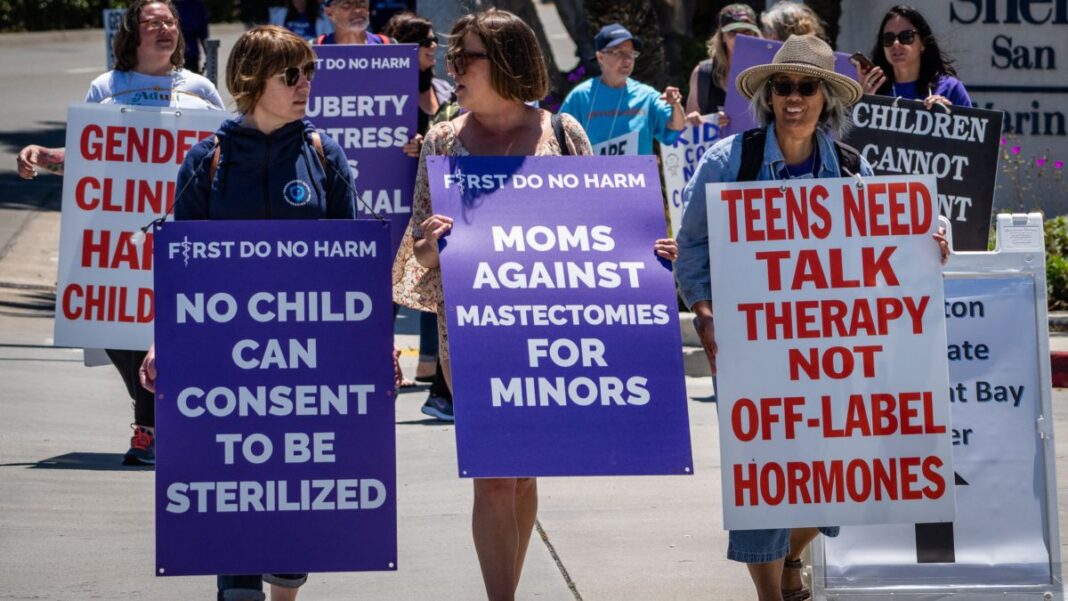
{"points": [[620, 115]]}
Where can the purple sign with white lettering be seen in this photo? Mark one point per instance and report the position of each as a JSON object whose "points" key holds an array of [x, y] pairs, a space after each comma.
{"points": [[274, 401], [366, 98], [750, 52], [563, 328]]}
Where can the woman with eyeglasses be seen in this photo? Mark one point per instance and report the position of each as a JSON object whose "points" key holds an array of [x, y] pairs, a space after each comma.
{"points": [[802, 105], [149, 52], [268, 163], [619, 114], [498, 67], [910, 64]]}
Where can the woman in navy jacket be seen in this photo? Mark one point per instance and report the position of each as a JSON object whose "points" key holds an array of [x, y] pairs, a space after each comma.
{"points": [[268, 163]]}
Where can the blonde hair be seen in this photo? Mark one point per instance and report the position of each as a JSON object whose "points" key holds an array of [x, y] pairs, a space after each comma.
{"points": [[260, 54], [786, 18]]}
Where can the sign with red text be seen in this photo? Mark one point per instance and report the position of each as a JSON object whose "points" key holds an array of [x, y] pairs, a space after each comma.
{"points": [[121, 166], [833, 385]]}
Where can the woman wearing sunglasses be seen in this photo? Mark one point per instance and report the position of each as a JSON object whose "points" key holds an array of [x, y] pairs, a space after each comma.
{"points": [[909, 63], [498, 66], [268, 163], [800, 103]]}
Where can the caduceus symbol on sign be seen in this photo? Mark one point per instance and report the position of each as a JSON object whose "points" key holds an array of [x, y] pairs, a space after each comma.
{"points": [[186, 245], [458, 178]]}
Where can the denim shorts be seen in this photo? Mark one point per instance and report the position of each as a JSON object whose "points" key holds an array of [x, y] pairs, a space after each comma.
{"points": [[762, 546]]}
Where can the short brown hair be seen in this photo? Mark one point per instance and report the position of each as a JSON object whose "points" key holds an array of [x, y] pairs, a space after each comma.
{"points": [[259, 54], [517, 66], [128, 38]]}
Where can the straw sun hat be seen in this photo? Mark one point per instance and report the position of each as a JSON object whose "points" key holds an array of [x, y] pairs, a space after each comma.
{"points": [[801, 55]]}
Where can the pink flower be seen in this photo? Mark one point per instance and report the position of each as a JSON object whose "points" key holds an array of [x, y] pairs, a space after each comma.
{"points": [[1058, 164], [1015, 150], [1002, 141], [1040, 162]]}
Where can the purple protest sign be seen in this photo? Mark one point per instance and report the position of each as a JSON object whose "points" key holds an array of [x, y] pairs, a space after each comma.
{"points": [[750, 52], [274, 402], [366, 98], [563, 329]]}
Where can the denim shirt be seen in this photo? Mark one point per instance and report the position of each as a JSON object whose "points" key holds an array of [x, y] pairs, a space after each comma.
{"points": [[721, 164]]}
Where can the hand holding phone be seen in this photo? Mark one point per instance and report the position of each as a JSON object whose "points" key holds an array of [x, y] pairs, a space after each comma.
{"points": [[870, 77]]}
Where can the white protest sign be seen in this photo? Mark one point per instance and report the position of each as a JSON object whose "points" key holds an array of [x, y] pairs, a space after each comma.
{"points": [[112, 18], [121, 166], [833, 389], [680, 160], [626, 144], [1001, 514]]}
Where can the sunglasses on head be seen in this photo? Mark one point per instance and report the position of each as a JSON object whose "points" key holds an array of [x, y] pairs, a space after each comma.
{"points": [[291, 76], [905, 37], [459, 60], [785, 87], [427, 42]]}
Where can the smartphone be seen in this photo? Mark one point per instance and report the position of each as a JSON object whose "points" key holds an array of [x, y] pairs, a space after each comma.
{"points": [[861, 62]]}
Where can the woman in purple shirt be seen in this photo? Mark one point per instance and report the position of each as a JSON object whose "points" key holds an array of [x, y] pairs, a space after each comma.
{"points": [[909, 64]]}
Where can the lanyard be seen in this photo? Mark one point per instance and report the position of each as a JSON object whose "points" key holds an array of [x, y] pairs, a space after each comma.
{"points": [[593, 105]]}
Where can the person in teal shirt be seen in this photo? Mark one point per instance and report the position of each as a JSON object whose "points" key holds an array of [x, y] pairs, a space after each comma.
{"points": [[621, 115]]}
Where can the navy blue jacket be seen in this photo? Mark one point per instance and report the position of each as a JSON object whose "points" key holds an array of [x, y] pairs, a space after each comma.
{"points": [[278, 176]]}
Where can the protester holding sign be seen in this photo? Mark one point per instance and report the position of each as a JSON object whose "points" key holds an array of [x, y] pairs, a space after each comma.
{"points": [[149, 53], [498, 66], [269, 163], [709, 79], [910, 64], [620, 115], [801, 102]]}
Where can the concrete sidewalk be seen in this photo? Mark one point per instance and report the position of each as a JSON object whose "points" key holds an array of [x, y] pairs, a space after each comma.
{"points": [[75, 524]]}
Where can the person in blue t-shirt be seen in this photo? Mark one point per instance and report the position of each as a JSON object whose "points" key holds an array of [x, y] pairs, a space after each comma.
{"points": [[620, 115], [352, 22]]}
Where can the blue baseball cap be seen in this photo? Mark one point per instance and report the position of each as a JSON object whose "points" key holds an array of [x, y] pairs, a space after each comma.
{"points": [[612, 35]]}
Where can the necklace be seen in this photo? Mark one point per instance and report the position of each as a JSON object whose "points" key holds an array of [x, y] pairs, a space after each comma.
{"points": [[615, 114]]}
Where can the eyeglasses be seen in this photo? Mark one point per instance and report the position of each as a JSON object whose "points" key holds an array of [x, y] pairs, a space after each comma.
{"points": [[459, 60], [785, 87], [427, 42], [291, 76], [905, 37], [624, 56], [351, 4], [159, 24]]}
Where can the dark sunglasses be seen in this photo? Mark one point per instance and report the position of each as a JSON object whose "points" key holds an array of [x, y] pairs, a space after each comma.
{"points": [[459, 60], [905, 37], [427, 42], [291, 76], [785, 87]]}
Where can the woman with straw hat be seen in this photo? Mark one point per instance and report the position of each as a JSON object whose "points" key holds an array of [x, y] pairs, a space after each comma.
{"points": [[800, 102]]}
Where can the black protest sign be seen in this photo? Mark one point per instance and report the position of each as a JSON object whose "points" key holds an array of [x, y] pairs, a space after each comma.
{"points": [[958, 146]]}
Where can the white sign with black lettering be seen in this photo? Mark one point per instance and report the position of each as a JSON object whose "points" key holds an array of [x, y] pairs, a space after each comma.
{"points": [[999, 535], [627, 144]]}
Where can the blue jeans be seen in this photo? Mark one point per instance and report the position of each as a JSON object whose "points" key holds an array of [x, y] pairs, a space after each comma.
{"points": [[249, 587], [428, 336]]}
